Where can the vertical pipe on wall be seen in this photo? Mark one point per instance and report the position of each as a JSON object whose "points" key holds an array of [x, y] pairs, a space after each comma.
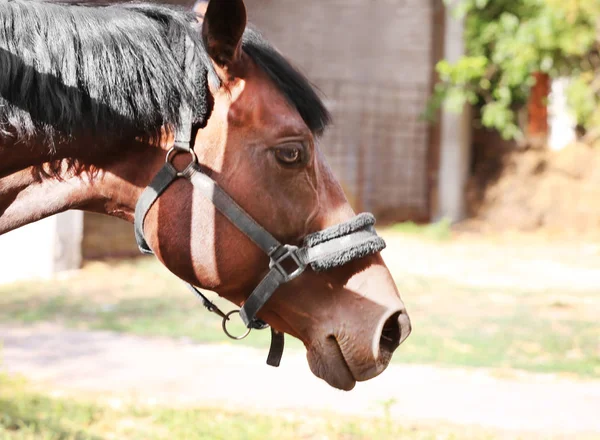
{"points": [[455, 136]]}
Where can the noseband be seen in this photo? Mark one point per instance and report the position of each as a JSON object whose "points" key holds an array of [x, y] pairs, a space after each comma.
{"points": [[323, 250]]}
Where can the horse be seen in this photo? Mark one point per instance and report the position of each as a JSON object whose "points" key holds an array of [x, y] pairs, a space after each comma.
{"points": [[92, 100]]}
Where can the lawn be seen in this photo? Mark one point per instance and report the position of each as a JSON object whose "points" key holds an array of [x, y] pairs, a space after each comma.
{"points": [[29, 415], [452, 324]]}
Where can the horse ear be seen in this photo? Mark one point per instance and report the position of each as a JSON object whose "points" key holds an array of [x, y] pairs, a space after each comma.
{"points": [[222, 30]]}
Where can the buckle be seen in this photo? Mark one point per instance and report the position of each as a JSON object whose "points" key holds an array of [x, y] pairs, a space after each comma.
{"points": [[289, 255]]}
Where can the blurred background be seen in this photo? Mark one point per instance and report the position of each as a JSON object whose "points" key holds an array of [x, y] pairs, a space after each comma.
{"points": [[471, 129]]}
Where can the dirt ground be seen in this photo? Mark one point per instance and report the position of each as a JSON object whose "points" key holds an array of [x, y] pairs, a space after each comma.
{"points": [[529, 190]]}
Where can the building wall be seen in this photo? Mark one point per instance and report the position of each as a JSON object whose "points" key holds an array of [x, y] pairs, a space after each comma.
{"points": [[107, 237], [373, 62]]}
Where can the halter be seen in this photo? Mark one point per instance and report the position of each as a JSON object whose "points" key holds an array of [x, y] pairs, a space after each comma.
{"points": [[323, 250]]}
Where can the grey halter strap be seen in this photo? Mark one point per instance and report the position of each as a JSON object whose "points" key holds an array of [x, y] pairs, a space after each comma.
{"points": [[163, 179]]}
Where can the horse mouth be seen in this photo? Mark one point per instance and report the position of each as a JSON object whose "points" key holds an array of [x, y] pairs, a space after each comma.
{"points": [[331, 365]]}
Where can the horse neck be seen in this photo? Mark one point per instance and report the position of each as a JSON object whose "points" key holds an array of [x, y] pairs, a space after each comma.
{"points": [[35, 185], [17, 155]]}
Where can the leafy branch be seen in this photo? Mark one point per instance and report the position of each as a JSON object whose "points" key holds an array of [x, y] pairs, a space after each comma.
{"points": [[507, 41]]}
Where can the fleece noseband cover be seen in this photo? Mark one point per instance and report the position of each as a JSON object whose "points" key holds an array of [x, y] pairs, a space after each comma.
{"points": [[340, 244]]}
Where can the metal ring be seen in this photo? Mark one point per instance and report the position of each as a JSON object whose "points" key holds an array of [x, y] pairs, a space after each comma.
{"points": [[225, 319], [174, 151]]}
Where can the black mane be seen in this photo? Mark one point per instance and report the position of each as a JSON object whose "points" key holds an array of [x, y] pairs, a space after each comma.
{"points": [[294, 86], [106, 72], [113, 71]]}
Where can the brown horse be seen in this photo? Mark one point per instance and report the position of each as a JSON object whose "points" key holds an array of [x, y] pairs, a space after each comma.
{"points": [[89, 98]]}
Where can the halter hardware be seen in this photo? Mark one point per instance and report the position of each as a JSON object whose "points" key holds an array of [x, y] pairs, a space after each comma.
{"points": [[174, 151], [285, 253], [228, 333]]}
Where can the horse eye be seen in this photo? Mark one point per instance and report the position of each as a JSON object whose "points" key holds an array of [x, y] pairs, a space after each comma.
{"points": [[288, 155]]}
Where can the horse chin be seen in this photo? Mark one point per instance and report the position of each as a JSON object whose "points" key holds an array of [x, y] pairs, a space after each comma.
{"points": [[327, 362]]}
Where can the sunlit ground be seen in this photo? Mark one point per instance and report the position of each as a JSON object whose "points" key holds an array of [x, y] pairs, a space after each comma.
{"points": [[453, 324], [503, 329]]}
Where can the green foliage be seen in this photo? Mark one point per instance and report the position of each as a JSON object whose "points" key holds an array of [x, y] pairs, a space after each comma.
{"points": [[584, 99], [509, 40]]}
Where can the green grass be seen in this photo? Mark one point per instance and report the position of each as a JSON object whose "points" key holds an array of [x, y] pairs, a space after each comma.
{"points": [[453, 325], [137, 296], [27, 415], [438, 231], [495, 328]]}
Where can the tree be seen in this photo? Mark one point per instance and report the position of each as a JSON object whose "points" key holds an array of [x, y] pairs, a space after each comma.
{"points": [[507, 42]]}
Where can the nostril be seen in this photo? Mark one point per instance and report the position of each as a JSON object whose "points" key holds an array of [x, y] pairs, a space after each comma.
{"points": [[390, 336]]}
